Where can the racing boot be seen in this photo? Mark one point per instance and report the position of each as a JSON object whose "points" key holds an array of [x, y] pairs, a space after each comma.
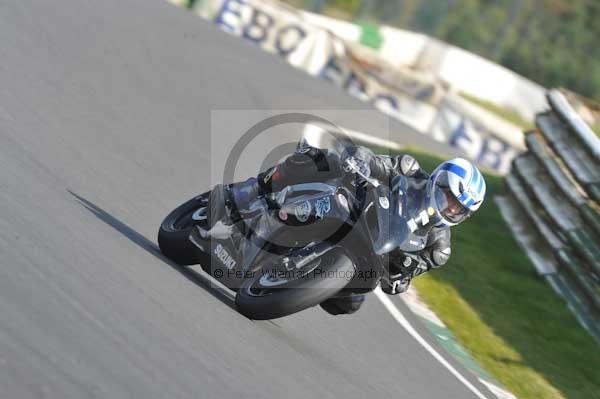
{"points": [[346, 304]]}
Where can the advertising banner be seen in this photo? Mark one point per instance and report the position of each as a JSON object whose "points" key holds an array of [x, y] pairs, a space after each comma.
{"points": [[419, 101]]}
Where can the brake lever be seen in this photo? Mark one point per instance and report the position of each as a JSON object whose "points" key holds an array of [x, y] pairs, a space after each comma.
{"points": [[352, 166]]}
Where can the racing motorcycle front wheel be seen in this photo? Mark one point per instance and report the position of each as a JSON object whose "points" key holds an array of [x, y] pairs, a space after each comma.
{"points": [[270, 294]]}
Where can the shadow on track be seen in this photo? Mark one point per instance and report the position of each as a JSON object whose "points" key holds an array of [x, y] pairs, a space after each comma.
{"points": [[152, 248]]}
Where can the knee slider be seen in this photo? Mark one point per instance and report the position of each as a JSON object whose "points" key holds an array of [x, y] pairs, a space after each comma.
{"points": [[440, 256]]}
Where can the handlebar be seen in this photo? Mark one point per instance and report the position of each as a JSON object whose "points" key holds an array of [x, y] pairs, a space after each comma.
{"points": [[352, 166]]}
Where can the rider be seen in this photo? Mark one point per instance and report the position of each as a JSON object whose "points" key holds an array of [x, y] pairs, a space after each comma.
{"points": [[455, 190]]}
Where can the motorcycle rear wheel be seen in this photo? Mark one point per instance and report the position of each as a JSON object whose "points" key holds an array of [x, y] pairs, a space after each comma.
{"points": [[174, 231]]}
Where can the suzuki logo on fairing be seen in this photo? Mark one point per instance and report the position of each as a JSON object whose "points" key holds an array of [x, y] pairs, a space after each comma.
{"points": [[224, 257]]}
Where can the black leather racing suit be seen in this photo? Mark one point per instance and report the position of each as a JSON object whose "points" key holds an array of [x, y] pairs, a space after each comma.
{"points": [[312, 165]]}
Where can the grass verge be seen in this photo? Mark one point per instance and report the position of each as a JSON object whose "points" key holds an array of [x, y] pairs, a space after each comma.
{"points": [[511, 116], [505, 315], [502, 112]]}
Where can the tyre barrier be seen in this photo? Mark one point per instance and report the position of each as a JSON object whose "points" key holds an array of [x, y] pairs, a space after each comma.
{"points": [[556, 184]]}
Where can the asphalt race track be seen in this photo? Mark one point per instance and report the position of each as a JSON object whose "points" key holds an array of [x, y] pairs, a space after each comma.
{"points": [[104, 113]]}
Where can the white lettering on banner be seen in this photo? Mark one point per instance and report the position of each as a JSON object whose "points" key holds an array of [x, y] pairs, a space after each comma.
{"points": [[229, 13], [496, 154], [261, 27], [356, 87], [461, 137], [386, 102], [288, 39], [479, 144], [257, 29], [284, 32], [488, 150], [331, 71]]}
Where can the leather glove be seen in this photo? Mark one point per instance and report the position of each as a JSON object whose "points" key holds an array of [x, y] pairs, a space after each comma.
{"points": [[395, 287], [395, 280]]}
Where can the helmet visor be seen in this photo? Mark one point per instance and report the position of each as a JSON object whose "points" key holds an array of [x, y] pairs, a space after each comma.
{"points": [[448, 205]]}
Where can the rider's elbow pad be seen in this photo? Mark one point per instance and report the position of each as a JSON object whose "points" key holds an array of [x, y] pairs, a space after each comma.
{"points": [[409, 166]]}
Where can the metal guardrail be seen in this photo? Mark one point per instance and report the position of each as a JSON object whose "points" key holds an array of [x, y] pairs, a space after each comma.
{"points": [[556, 183]]}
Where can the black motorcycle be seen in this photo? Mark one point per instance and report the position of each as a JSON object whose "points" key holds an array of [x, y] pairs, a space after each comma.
{"points": [[298, 247]]}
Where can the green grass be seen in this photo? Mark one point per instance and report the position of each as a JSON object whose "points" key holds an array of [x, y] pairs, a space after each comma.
{"points": [[596, 129], [505, 315], [510, 115], [340, 9], [502, 112]]}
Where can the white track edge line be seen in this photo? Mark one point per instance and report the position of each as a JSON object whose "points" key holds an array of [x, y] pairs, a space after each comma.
{"points": [[396, 314]]}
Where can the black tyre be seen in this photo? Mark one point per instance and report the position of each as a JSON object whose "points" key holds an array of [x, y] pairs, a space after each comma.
{"points": [[267, 296], [174, 232]]}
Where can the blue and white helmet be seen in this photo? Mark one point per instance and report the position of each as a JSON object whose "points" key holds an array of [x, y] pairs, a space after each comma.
{"points": [[457, 189]]}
